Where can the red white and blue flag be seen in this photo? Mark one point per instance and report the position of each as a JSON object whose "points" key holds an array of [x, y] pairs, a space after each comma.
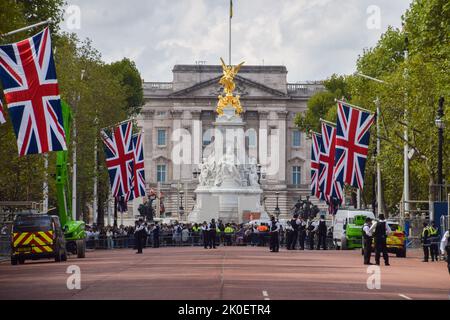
{"points": [[138, 179], [352, 144], [28, 75], [315, 164], [2, 114], [120, 158], [329, 187]]}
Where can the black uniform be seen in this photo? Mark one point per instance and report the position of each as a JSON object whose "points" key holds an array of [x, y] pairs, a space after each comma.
{"points": [[274, 236], [205, 235], [156, 236], [367, 246], [140, 234], [434, 243], [426, 243], [311, 235], [302, 234], [212, 235], [380, 236], [294, 239], [322, 235]]}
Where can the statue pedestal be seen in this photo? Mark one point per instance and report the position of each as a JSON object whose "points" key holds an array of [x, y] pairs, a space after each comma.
{"points": [[228, 181]]}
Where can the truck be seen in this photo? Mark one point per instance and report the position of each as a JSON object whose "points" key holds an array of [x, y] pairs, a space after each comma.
{"points": [[347, 228], [59, 218]]}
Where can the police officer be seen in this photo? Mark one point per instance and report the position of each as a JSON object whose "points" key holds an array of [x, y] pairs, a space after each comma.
{"points": [[295, 222], [228, 235], [426, 242], [205, 234], [311, 227], [156, 231], [367, 241], [274, 229], [380, 231], [302, 233], [322, 231], [212, 228], [434, 242], [289, 235], [139, 235]]}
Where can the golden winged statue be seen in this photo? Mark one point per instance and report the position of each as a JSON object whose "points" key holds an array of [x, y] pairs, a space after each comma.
{"points": [[227, 81]]}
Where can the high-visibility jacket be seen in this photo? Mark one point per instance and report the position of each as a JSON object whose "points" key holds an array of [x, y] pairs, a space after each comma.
{"points": [[229, 230], [432, 231]]}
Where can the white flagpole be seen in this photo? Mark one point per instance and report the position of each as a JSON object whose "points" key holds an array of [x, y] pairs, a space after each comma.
{"points": [[26, 28]]}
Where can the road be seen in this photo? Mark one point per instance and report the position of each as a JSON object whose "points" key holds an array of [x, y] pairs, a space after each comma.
{"points": [[235, 273]]}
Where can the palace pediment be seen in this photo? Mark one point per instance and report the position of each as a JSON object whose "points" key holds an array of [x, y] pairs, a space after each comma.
{"points": [[244, 87]]}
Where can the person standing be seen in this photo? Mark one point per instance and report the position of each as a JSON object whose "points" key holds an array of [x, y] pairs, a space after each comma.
{"points": [[367, 241], [302, 233], [205, 234], [274, 229], [212, 228], [140, 234], [295, 222], [445, 247], [322, 231], [426, 242], [311, 233], [229, 231], [289, 235], [434, 242], [156, 232], [380, 231]]}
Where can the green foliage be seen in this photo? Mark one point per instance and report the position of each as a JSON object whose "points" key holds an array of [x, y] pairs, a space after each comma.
{"points": [[106, 95], [413, 85]]}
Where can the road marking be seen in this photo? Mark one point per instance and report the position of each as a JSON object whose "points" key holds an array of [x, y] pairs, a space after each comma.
{"points": [[266, 295], [405, 297]]}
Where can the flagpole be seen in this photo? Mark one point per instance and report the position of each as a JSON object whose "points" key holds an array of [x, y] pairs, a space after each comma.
{"points": [[328, 122], [353, 106], [231, 17], [26, 28]]}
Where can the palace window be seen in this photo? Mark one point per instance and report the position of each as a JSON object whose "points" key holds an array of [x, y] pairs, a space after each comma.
{"points": [[296, 139], [162, 137], [161, 173], [296, 175], [252, 138]]}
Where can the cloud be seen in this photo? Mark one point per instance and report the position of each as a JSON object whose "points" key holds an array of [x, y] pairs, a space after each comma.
{"points": [[313, 38]]}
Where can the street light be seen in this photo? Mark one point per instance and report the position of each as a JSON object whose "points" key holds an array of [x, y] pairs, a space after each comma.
{"points": [[181, 210], [440, 124], [277, 209]]}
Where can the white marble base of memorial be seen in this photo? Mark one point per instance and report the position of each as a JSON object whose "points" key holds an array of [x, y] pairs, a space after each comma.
{"points": [[228, 205]]}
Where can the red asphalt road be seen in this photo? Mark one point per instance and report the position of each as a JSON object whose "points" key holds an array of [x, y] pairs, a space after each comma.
{"points": [[235, 273]]}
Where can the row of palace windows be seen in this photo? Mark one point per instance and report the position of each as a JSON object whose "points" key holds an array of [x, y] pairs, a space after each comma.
{"points": [[251, 136], [161, 174]]}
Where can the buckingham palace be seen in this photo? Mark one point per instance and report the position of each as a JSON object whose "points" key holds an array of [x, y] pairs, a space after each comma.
{"points": [[189, 102]]}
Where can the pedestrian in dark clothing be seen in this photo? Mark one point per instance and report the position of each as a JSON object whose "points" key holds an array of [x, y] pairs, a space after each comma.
{"points": [[302, 233], [205, 235], [295, 222], [274, 229], [156, 232], [380, 231], [367, 241], [426, 242], [322, 232], [212, 234], [140, 235]]}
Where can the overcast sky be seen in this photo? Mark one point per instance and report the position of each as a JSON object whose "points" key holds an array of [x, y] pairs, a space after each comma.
{"points": [[313, 38]]}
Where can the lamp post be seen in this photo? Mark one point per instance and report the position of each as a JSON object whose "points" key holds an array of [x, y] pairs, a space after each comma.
{"points": [[181, 210], [441, 126], [277, 209]]}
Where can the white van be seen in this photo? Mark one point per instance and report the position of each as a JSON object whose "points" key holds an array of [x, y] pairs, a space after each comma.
{"points": [[341, 220]]}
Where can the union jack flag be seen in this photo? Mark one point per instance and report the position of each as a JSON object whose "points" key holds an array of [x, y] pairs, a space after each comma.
{"points": [[138, 168], [2, 115], [329, 187], [120, 158], [27, 71], [352, 145], [315, 164]]}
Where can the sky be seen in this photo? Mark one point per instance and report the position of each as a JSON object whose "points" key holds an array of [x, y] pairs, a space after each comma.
{"points": [[312, 38]]}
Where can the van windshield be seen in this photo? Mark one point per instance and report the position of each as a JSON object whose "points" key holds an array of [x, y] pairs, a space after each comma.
{"points": [[32, 223]]}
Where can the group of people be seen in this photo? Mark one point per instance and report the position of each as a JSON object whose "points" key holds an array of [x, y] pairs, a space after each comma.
{"points": [[299, 230], [376, 233]]}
